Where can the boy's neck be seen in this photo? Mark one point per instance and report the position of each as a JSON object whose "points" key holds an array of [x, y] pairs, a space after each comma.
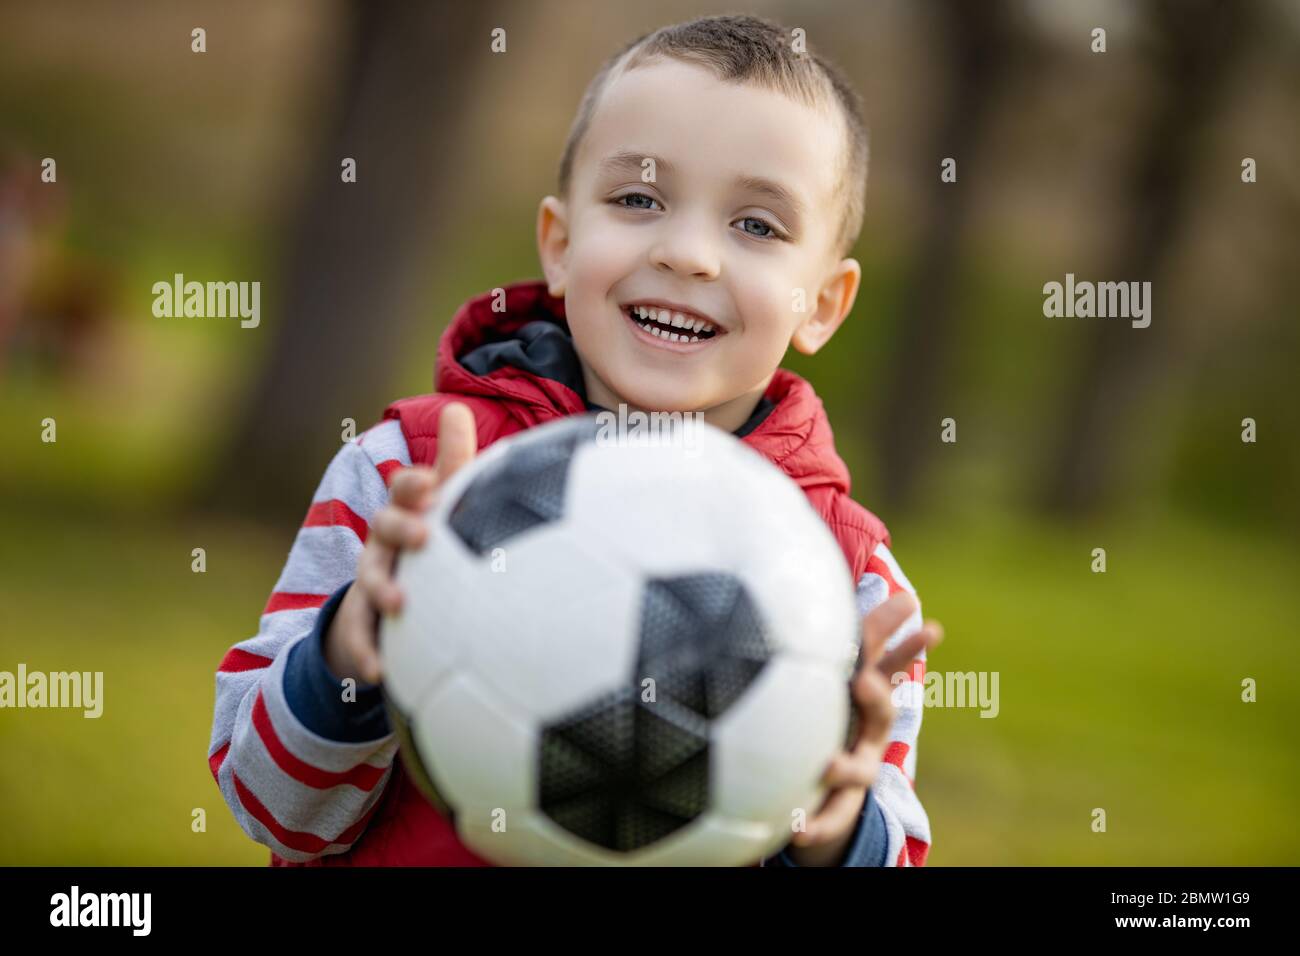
{"points": [[728, 415]]}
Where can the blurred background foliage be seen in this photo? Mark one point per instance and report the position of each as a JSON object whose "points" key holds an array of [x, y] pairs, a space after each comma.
{"points": [[1119, 691]]}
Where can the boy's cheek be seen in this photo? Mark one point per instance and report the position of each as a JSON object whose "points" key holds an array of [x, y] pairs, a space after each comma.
{"points": [[600, 260]]}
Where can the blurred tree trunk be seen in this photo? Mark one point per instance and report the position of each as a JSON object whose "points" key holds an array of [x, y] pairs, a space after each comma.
{"points": [[355, 253], [977, 43], [1197, 43]]}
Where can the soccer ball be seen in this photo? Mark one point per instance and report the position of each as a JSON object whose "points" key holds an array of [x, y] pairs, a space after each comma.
{"points": [[617, 651]]}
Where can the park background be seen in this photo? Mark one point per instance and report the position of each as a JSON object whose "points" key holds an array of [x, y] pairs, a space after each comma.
{"points": [[1119, 690]]}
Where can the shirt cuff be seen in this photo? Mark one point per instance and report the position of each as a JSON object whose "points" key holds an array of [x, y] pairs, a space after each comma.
{"points": [[869, 844], [315, 695]]}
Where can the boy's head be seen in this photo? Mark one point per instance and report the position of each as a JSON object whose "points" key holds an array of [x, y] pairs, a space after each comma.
{"points": [[712, 165]]}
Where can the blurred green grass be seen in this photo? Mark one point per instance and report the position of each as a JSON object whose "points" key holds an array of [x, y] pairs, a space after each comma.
{"points": [[1118, 690], [88, 591]]}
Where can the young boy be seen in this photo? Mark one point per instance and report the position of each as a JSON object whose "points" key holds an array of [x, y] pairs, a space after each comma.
{"points": [[713, 179]]}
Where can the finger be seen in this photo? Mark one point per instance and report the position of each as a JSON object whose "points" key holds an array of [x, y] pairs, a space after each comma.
{"points": [[836, 816], [884, 620], [847, 769], [872, 694], [375, 576], [411, 486], [396, 528], [378, 556], [457, 440], [900, 657]]}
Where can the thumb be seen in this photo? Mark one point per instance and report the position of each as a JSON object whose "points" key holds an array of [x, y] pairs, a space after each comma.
{"points": [[457, 440]]}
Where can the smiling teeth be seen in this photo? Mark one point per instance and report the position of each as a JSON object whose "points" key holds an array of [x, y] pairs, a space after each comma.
{"points": [[667, 318]]}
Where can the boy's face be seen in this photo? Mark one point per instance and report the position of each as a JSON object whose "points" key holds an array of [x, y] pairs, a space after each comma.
{"points": [[704, 234]]}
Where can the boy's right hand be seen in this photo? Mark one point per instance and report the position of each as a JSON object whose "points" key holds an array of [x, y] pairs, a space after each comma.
{"points": [[352, 641]]}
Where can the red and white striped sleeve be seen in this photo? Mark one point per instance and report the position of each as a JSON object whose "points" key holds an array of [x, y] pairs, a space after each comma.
{"points": [[906, 823], [301, 767]]}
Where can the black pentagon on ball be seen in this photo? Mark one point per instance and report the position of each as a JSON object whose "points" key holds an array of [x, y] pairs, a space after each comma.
{"points": [[702, 640], [624, 771], [522, 489]]}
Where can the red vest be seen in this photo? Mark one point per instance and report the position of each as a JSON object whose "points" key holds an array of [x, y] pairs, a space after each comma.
{"points": [[405, 830]]}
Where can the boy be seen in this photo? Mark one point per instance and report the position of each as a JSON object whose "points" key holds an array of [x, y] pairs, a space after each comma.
{"points": [[659, 296]]}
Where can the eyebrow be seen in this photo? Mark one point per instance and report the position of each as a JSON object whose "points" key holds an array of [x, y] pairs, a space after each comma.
{"points": [[626, 160], [773, 191]]}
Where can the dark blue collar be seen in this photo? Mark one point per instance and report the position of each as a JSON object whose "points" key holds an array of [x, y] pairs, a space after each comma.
{"points": [[546, 350]]}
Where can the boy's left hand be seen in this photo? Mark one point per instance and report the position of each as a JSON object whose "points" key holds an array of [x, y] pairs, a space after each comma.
{"points": [[825, 839]]}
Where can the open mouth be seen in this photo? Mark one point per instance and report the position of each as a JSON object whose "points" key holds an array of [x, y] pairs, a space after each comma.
{"points": [[671, 326]]}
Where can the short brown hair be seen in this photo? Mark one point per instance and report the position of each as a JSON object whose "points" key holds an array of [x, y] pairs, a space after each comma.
{"points": [[748, 49]]}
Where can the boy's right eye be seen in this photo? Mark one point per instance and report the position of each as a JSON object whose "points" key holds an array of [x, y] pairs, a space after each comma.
{"points": [[619, 200]]}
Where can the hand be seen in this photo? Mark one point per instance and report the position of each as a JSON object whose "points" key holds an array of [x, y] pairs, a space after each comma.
{"points": [[851, 773], [352, 641]]}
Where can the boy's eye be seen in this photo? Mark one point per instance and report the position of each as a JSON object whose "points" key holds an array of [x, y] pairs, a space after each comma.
{"points": [[619, 200], [769, 234]]}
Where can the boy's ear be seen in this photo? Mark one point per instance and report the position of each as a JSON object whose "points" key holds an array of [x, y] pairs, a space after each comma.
{"points": [[834, 303], [553, 242]]}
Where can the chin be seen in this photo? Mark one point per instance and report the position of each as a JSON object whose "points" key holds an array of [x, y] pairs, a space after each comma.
{"points": [[659, 397]]}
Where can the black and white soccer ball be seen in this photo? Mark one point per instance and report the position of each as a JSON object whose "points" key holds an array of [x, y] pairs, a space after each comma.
{"points": [[621, 652]]}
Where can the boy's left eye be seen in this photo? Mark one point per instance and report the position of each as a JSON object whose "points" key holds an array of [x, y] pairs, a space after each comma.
{"points": [[769, 234]]}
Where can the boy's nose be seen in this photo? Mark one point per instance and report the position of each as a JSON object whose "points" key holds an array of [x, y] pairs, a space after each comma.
{"points": [[688, 251]]}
